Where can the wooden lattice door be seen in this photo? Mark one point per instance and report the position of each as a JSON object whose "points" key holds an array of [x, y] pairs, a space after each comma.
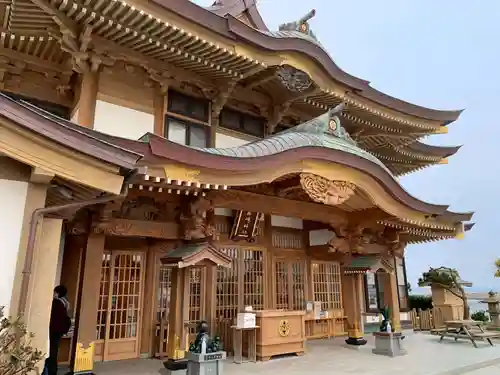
{"points": [[125, 303], [238, 286], [196, 305], [289, 283]]}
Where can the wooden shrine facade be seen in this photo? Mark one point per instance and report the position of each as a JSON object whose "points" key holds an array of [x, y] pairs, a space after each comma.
{"points": [[200, 123], [275, 269]]}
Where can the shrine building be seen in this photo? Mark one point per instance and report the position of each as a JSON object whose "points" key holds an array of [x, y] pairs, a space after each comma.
{"points": [[170, 163]]}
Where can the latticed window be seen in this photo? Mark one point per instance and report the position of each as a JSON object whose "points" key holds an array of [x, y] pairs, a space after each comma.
{"points": [[327, 287], [164, 291], [289, 289], [281, 272], [102, 309], [402, 283], [238, 286]]}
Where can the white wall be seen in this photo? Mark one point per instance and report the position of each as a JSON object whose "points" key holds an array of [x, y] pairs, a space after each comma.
{"points": [[12, 202], [286, 222], [227, 141], [121, 121], [320, 237]]}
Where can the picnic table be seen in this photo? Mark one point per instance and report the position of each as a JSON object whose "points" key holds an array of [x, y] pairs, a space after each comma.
{"points": [[466, 329]]}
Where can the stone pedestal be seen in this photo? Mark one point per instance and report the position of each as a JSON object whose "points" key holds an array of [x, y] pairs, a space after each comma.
{"points": [[176, 367], [493, 311], [205, 363], [388, 344]]}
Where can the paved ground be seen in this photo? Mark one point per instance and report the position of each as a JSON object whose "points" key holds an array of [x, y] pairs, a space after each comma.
{"points": [[426, 356]]}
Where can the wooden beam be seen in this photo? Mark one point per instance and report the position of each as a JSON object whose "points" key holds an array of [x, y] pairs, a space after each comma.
{"points": [[128, 54], [59, 17], [41, 176], [138, 228], [32, 60], [263, 78], [241, 200]]}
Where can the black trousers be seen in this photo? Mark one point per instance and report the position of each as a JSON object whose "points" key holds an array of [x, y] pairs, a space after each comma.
{"points": [[54, 342]]}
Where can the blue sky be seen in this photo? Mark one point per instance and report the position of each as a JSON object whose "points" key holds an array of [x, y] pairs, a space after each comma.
{"points": [[440, 54]]}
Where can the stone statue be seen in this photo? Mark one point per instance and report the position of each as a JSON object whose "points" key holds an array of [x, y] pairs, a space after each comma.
{"points": [[203, 343]]}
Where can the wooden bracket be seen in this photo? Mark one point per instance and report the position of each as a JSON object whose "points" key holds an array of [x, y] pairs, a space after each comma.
{"points": [[41, 176]]}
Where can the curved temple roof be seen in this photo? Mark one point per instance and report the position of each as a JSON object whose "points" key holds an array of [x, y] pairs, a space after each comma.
{"points": [[287, 40], [322, 138]]}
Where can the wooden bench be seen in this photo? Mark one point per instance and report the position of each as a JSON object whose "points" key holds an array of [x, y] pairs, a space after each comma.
{"points": [[486, 336], [436, 331]]}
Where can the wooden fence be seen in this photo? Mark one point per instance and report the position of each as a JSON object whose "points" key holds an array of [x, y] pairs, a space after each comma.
{"points": [[425, 320]]}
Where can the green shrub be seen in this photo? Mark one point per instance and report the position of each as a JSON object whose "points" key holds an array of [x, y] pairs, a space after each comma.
{"points": [[480, 316], [418, 301], [17, 356]]}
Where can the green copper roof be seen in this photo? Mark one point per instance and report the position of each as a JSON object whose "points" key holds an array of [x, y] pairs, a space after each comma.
{"points": [[323, 131], [299, 29], [362, 263], [186, 250], [293, 34]]}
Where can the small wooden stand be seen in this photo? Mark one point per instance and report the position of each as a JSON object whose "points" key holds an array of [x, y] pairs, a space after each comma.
{"points": [[238, 344], [280, 332]]}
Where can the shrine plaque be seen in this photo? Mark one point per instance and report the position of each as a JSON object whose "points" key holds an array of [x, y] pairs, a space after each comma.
{"points": [[245, 226]]}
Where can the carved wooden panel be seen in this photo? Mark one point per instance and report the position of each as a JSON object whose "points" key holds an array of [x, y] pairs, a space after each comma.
{"points": [[138, 228]]}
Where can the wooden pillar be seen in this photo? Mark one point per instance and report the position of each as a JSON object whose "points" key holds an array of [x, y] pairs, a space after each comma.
{"points": [[361, 301], [159, 110], [269, 295], [354, 321], [210, 297], [42, 280], [394, 302], [214, 124], [149, 319], [175, 314], [88, 99], [87, 309]]}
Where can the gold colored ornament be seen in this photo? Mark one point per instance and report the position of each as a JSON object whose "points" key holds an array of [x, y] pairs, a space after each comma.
{"points": [[332, 124], [284, 328], [324, 191]]}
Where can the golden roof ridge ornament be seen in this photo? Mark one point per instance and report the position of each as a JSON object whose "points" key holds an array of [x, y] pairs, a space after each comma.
{"points": [[302, 25]]}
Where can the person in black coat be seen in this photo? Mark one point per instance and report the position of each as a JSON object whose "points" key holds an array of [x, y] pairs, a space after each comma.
{"points": [[60, 323]]}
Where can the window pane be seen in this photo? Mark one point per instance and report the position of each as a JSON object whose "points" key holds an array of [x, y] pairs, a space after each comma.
{"points": [[176, 131], [381, 277], [403, 298], [230, 119], [178, 103], [400, 272], [197, 136], [253, 126]]}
